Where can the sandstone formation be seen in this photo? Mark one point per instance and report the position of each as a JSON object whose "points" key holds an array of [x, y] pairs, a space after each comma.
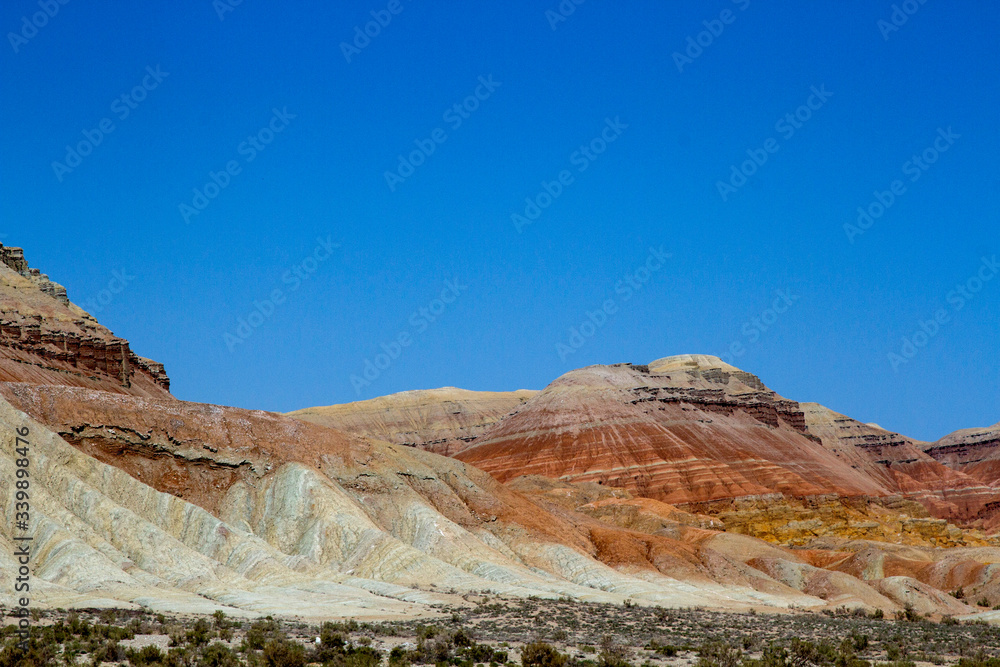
{"points": [[45, 339], [443, 421], [314, 510], [187, 507]]}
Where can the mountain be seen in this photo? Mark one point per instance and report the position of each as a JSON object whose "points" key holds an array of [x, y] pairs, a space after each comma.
{"points": [[139, 499], [903, 465], [695, 431], [974, 451]]}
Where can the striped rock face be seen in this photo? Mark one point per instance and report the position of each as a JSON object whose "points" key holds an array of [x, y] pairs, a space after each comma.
{"points": [[183, 507], [694, 431], [974, 451], [682, 430]]}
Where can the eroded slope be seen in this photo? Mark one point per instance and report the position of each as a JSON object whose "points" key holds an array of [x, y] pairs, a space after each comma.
{"points": [[443, 421]]}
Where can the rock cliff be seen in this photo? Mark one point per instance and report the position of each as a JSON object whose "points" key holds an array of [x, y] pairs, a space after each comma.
{"points": [[46, 339]]}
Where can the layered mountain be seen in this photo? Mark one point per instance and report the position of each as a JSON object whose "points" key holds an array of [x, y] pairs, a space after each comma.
{"points": [[903, 465], [695, 431], [171, 505], [443, 421], [46, 339], [142, 500]]}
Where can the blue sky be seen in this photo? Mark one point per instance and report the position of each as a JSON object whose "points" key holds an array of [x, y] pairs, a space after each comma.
{"points": [[620, 143]]}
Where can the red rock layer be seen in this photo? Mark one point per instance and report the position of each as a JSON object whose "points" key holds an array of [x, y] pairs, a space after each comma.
{"points": [[693, 430], [902, 465], [676, 433], [975, 452]]}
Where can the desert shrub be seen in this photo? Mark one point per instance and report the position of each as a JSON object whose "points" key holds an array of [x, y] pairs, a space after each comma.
{"points": [[612, 655], [540, 654], [859, 642], [145, 657], [108, 651], [218, 655], [980, 659], [461, 638], [983, 602], [200, 633], [335, 650], [773, 655], [283, 653], [361, 656], [37, 654], [718, 654], [399, 657], [810, 653], [258, 633], [666, 650]]}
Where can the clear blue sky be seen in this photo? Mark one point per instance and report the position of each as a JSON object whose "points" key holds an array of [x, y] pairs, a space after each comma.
{"points": [[608, 68]]}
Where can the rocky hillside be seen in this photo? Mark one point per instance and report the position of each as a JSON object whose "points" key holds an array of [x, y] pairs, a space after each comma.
{"points": [[694, 431], [443, 421], [46, 339], [974, 451], [142, 500], [185, 507]]}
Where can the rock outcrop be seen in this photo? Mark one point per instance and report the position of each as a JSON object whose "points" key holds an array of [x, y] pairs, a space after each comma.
{"points": [[443, 421], [46, 339], [683, 483], [974, 451], [903, 465], [274, 506]]}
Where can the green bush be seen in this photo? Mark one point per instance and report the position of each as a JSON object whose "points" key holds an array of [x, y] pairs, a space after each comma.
{"points": [[199, 634], [218, 655], [146, 656], [612, 655], [399, 657], [108, 651], [283, 653], [540, 654], [38, 654], [718, 654]]}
